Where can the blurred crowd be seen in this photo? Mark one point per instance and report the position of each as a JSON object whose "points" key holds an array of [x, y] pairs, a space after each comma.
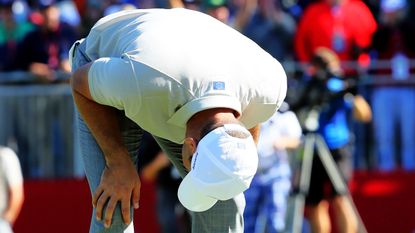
{"points": [[341, 56], [373, 36]]}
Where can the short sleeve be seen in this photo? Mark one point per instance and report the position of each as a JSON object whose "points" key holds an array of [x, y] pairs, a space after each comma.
{"points": [[112, 82], [11, 167]]}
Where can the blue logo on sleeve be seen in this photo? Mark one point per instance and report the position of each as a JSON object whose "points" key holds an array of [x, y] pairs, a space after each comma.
{"points": [[217, 85]]}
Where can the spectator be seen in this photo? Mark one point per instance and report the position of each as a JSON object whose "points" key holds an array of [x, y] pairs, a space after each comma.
{"points": [[191, 4], [69, 13], [118, 5], [296, 8], [11, 189], [235, 16], [333, 24], [327, 101], [394, 41], [13, 28], [271, 28], [217, 9], [267, 197], [45, 50], [12, 33], [93, 11]]}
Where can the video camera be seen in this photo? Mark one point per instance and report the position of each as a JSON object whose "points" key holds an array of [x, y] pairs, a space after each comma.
{"points": [[320, 88]]}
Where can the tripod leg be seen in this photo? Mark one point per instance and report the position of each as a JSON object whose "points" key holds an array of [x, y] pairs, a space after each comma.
{"points": [[304, 184], [335, 177], [330, 165]]}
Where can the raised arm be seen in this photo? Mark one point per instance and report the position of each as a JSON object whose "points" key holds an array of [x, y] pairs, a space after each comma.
{"points": [[119, 181]]}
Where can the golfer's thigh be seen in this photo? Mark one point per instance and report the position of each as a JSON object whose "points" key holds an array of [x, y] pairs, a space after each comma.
{"points": [[223, 217]]}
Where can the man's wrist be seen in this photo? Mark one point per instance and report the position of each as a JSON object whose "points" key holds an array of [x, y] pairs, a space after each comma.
{"points": [[117, 158]]}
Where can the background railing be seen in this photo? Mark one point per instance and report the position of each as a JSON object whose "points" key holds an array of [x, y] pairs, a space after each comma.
{"points": [[37, 119]]}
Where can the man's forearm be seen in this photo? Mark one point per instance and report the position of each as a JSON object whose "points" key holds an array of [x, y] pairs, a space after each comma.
{"points": [[119, 179], [101, 120]]}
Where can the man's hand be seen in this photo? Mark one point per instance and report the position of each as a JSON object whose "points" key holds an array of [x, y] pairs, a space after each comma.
{"points": [[119, 179], [119, 183]]}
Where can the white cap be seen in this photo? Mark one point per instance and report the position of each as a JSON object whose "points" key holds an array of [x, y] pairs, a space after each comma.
{"points": [[392, 5], [222, 167]]}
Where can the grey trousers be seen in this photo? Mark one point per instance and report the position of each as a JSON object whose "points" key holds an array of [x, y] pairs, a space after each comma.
{"points": [[223, 217]]}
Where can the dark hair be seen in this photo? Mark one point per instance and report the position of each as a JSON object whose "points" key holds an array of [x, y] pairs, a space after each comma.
{"points": [[211, 125]]}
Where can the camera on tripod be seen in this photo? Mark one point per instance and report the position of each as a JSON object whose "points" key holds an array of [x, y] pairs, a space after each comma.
{"points": [[322, 101], [322, 87]]}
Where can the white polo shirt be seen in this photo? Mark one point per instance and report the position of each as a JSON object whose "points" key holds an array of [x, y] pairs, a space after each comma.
{"points": [[161, 66]]}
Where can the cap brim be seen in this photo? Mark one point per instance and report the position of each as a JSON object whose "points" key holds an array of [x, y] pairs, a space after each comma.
{"points": [[191, 198]]}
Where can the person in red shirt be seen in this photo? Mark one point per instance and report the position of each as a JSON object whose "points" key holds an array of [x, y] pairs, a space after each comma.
{"points": [[344, 26]]}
